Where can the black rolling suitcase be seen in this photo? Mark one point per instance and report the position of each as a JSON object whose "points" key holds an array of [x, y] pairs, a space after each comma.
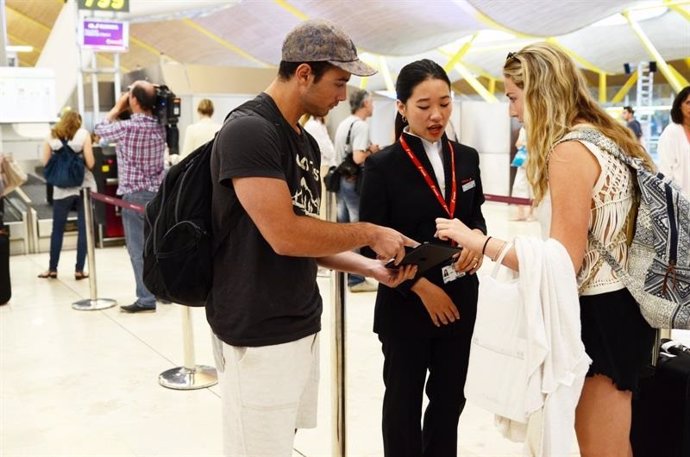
{"points": [[5, 286], [661, 411]]}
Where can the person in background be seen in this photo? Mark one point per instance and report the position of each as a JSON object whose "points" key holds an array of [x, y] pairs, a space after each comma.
{"points": [[352, 137], [588, 191], [140, 169], [265, 307], [202, 130], [316, 126], [632, 123], [69, 129], [674, 143], [425, 325], [520, 184]]}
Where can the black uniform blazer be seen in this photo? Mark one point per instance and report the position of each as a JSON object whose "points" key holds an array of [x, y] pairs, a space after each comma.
{"points": [[394, 194]]}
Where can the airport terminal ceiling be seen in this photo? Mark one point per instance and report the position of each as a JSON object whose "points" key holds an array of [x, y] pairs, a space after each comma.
{"points": [[470, 37]]}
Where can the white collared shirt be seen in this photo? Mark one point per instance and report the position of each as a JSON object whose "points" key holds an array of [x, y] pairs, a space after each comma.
{"points": [[434, 151]]}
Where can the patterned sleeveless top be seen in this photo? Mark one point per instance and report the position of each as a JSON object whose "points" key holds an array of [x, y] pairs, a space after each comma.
{"points": [[612, 198]]}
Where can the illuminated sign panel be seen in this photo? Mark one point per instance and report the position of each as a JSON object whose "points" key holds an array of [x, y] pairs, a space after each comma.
{"points": [[103, 35]]}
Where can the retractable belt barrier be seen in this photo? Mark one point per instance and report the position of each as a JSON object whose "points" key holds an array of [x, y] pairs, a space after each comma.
{"points": [[187, 377], [509, 200], [117, 202]]}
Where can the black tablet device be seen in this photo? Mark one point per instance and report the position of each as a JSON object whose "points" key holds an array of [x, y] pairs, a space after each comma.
{"points": [[426, 256]]}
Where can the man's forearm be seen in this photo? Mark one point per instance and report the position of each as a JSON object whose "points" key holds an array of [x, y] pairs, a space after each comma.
{"points": [[349, 262], [310, 237]]}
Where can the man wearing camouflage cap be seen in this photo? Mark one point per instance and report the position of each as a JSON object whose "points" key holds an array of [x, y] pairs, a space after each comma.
{"points": [[264, 307]]}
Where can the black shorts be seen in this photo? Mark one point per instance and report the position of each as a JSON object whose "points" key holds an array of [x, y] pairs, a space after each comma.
{"points": [[616, 337]]}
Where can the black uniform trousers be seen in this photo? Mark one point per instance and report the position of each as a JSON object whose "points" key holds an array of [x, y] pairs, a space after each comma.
{"points": [[407, 361]]}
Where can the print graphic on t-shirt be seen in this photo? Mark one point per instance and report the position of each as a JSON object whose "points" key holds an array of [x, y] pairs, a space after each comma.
{"points": [[305, 197]]}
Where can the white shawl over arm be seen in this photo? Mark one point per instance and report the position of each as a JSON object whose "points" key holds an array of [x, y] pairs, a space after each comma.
{"points": [[556, 358]]}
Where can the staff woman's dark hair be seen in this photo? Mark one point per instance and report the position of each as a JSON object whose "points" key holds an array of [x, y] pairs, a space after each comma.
{"points": [[409, 77]]}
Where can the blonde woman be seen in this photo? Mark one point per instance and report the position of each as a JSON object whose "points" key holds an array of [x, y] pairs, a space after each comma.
{"points": [[65, 198], [587, 191]]}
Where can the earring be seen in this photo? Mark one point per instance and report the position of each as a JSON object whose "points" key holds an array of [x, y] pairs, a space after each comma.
{"points": [[404, 119]]}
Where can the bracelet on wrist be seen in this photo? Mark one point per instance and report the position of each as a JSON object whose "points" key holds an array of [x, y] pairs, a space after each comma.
{"points": [[485, 245], [499, 251]]}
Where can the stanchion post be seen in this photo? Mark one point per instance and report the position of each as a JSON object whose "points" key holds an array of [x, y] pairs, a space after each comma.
{"points": [[93, 303], [338, 432], [190, 376], [330, 206]]}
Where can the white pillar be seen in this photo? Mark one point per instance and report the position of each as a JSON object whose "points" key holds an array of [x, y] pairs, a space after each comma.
{"points": [[62, 54]]}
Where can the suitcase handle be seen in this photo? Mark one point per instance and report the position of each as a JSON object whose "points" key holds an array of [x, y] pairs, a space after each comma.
{"points": [[656, 350]]}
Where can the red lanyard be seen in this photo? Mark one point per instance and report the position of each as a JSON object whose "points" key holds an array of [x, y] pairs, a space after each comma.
{"points": [[430, 182]]}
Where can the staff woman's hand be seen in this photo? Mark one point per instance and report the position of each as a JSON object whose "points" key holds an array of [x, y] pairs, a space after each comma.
{"points": [[438, 304], [453, 229], [468, 261]]}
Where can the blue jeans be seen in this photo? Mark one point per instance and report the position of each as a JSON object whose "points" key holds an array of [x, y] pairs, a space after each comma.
{"points": [[61, 209], [133, 223], [348, 211]]}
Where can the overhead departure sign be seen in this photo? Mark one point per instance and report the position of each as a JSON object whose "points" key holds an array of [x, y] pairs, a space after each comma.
{"points": [[103, 35], [105, 5]]}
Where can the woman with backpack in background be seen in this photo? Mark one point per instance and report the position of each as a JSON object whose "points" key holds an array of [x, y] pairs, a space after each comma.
{"points": [[586, 192], [69, 129]]}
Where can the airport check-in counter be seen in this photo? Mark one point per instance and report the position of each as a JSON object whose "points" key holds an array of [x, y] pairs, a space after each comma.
{"points": [[108, 218], [29, 215], [17, 219]]}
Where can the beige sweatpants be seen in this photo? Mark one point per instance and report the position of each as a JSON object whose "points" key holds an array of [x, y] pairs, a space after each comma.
{"points": [[267, 393]]}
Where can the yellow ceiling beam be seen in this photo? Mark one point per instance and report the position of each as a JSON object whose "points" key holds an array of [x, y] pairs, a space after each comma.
{"points": [[625, 88], [576, 57], [474, 82], [474, 68], [460, 54], [386, 73], [675, 6], [602, 88], [492, 85], [226, 44], [681, 79], [292, 10], [654, 54]]}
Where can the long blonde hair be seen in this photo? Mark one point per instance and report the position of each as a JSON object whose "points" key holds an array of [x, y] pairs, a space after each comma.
{"points": [[556, 98], [67, 126]]}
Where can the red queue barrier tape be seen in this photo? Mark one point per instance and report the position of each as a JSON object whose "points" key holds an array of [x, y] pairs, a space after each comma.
{"points": [[140, 209], [117, 202], [509, 200]]}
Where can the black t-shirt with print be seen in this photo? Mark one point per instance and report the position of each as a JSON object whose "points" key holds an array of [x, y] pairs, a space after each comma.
{"points": [[260, 298]]}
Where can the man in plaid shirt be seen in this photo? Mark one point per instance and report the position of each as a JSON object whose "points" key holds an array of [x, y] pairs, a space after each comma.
{"points": [[140, 168]]}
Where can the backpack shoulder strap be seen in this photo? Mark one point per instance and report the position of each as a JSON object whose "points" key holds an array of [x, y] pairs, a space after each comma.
{"points": [[594, 136], [66, 145], [349, 133], [260, 107]]}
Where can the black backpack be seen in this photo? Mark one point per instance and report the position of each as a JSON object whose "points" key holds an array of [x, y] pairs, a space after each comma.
{"points": [[179, 243]]}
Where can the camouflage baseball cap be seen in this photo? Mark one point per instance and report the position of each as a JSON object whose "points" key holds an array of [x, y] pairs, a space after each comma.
{"points": [[321, 41]]}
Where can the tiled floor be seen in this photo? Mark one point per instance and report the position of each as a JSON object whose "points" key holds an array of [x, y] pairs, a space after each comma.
{"points": [[85, 383]]}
